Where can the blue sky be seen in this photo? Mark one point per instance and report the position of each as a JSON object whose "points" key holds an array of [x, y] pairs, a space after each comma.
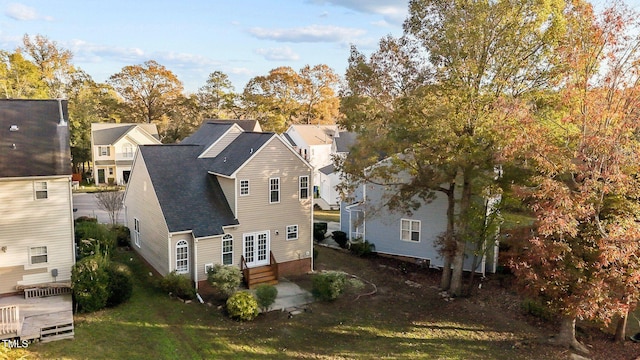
{"points": [[193, 38]]}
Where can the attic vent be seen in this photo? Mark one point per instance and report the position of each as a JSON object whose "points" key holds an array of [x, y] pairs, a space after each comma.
{"points": [[225, 159], [251, 151], [14, 128]]}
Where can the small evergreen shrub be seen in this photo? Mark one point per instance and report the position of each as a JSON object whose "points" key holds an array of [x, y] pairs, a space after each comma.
{"points": [[82, 219], [242, 306], [327, 286], [225, 279], [90, 283], [120, 284], [123, 235], [319, 231], [178, 285], [362, 248], [341, 238], [266, 295]]}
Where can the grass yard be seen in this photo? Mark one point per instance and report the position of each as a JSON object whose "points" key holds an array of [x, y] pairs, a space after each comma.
{"points": [[405, 319], [326, 215]]}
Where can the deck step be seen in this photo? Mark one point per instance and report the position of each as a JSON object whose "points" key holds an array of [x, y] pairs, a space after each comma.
{"points": [[261, 275], [56, 332]]}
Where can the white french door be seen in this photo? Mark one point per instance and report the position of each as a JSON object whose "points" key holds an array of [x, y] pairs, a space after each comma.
{"points": [[255, 248]]}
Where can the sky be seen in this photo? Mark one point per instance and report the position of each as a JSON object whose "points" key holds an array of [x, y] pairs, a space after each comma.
{"points": [[193, 38]]}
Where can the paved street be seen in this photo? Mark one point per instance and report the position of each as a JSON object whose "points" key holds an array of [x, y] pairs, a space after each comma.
{"points": [[86, 205]]}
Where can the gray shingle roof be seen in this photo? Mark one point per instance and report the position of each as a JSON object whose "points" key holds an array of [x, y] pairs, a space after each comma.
{"points": [[327, 169], [190, 198], [238, 152], [246, 125], [207, 134], [109, 136], [345, 141], [39, 147]]}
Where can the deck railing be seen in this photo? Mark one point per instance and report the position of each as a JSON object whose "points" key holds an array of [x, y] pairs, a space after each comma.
{"points": [[9, 319], [45, 291], [274, 264]]}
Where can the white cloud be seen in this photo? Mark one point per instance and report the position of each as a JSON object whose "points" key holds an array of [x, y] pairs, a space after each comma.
{"points": [[312, 33], [278, 54], [394, 11], [24, 13]]}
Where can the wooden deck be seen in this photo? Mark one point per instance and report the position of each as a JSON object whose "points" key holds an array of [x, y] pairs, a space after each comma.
{"points": [[45, 318]]}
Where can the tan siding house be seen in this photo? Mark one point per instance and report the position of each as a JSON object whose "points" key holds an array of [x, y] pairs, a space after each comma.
{"points": [[222, 196]]}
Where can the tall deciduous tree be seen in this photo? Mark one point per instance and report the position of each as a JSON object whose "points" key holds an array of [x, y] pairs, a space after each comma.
{"points": [[435, 96], [149, 91], [285, 97], [20, 78], [583, 148], [54, 62]]}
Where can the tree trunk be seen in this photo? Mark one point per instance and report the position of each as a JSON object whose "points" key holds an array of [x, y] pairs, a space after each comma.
{"points": [[462, 233], [458, 265], [449, 242], [567, 336], [621, 327]]}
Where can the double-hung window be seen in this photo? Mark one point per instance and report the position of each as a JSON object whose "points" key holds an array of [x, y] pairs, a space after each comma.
{"points": [[38, 255], [304, 187], [244, 187], [104, 150], [227, 250], [41, 190], [292, 232], [274, 190], [136, 232], [410, 230]]}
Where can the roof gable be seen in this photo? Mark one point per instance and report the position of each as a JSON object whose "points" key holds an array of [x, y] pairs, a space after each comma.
{"points": [[190, 198], [33, 141], [314, 134], [111, 133], [238, 153]]}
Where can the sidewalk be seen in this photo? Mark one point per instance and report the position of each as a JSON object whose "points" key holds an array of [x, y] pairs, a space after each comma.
{"points": [[290, 296]]}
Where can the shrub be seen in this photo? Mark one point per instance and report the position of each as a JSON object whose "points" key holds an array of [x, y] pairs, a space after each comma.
{"points": [[242, 306], [266, 295], [93, 238], [225, 279], [120, 284], [90, 283], [327, 286], [85, 219], [123, 235], [362, 248], [341, 238], [178, 285], [319, 231], [537, 309]]}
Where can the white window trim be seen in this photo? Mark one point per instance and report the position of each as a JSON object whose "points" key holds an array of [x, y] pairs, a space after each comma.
{"points": [[226, 237], [271, 190], [37, 189], [248, 187], [300, 187], [31, 255], [182, 244], [411, 222], [136, 232], [104, 151], [127, 150], [296, 232], [207, 267]]}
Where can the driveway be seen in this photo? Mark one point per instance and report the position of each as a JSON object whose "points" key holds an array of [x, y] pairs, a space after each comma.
{"points": [[85, 204]]}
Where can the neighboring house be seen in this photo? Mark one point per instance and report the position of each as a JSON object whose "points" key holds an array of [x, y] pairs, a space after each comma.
{"points": [[113, 147], [313, 143], [328, 178], [36, 216], [412, 236], [222, 196], [246, 125]]}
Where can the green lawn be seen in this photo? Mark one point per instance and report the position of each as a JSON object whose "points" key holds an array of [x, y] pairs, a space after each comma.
{"points": [[399, 322], [326, 215]]}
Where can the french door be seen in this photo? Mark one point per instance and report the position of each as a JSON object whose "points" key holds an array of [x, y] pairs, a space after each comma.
{"points": [[255, 248]]}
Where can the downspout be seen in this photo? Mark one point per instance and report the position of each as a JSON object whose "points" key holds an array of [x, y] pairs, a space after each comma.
{"points": [[195, 261], [312, 214]]}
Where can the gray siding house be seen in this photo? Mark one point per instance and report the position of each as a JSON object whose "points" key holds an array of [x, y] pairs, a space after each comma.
{"points": [[412, 236]]}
